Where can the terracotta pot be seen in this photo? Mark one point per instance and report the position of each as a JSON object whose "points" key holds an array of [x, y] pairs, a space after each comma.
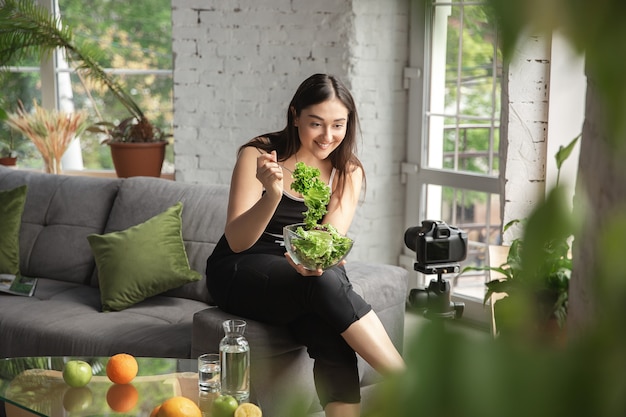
{"points": [[138, 159], [9, 161]]}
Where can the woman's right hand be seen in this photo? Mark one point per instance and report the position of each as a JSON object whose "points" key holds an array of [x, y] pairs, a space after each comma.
{"points": [[270, 173]]}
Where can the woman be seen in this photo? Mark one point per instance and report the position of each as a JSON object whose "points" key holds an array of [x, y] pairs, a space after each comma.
{"points": [[249, 273]]}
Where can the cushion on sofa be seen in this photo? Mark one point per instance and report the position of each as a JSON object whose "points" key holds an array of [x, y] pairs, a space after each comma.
{"points": [[204, 218], [142, 261], [11, 209], [59, 212]]}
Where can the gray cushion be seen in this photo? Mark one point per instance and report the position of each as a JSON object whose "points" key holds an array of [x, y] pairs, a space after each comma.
{"points": [[59, 213]]}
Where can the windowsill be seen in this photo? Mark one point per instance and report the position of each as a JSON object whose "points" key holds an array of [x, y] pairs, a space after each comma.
{"points": [[107, 173], [98, 173]]}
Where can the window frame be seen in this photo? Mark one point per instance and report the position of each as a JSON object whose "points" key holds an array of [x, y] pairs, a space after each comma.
{"points": [[417, 175]]}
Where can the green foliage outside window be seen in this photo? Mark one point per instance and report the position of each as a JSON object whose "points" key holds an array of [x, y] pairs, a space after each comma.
{"points": [[135, 36]]}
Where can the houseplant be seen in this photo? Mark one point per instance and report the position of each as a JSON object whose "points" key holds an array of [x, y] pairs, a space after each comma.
{"points": [[51, 131], [537, 269], [12, 146], [7, 152], [32, 29]]}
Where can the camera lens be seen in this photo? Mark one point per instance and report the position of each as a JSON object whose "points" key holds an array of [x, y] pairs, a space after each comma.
{"points": [[410, 237]]}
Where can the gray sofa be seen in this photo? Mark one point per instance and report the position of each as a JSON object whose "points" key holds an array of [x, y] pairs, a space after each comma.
{"points": [[65, 318]]}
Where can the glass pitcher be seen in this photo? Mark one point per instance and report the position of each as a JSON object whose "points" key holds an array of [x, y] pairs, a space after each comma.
{"points": [[235, 361]]}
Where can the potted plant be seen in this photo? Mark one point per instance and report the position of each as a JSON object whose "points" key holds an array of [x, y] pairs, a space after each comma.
{"points": [[536, 273], [32, 29], [7, 152], [51, 131], [12, 146], [535, 296]]}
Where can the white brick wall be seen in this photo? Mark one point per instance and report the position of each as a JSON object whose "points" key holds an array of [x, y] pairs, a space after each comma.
{"points": [[236, 67], [525, 121]]}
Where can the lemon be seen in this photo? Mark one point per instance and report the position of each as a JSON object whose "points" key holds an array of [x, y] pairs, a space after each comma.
{"points": [[248, 410]]}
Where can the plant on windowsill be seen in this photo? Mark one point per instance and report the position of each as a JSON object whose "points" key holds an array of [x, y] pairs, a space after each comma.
{"points": [[12, 146], [51, 131], [31, 29], [8, 156], [537, 270]]}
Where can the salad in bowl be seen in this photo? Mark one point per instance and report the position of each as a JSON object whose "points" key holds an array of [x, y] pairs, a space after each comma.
{"points": [[319, 248], [313, 245]]}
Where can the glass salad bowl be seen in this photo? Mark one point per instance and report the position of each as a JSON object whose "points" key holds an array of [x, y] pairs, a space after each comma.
{"points": [[319, 248]]}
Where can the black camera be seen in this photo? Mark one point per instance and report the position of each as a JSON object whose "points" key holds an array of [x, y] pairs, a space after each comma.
{"points": [[438, 248], [434, 242]]}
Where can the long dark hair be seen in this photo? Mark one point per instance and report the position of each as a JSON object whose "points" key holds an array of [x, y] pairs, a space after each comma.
{"points": [[314, 90]]}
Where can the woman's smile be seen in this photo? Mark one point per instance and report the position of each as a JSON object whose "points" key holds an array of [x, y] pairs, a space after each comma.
{"points": [[322, 127]]}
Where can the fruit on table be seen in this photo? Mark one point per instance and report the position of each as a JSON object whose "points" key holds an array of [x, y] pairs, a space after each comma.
{"points": [[122, 368], [224, 406], [248, 410], [205, 401], [155, 411], [178, 407], [77, 373]]}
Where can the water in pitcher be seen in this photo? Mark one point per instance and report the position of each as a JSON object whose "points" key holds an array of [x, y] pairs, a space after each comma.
{"points": [[235, 361]]}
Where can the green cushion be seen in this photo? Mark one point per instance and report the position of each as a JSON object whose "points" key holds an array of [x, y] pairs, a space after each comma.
{"points": [[11, 208], [142, 261]]}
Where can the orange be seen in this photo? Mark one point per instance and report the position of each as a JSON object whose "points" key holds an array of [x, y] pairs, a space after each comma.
{"points": [[122, 368], [122, 398], [179, 407], [155, 411], [248, 410]]}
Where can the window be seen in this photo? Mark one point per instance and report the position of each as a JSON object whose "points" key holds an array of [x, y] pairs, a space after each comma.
{"points": [[453, 162], [136, 43]]}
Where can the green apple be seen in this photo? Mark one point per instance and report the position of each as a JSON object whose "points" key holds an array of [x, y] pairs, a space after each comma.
{"points": [[224, 406], [77, 373]]}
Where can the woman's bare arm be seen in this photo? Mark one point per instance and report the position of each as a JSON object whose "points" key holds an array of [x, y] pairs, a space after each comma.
{"points": [[249, 209]]}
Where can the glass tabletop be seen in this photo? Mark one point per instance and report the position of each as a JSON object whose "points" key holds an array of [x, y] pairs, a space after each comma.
{"points": [[35, 384]]}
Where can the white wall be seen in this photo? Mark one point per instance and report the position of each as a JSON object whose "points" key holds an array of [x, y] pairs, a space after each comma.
{"points": [[525, 129], [568, 88], [544, 100], [236, 66]]}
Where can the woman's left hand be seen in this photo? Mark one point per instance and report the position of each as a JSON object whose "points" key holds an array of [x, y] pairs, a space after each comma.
{"points": [[301, 269]]}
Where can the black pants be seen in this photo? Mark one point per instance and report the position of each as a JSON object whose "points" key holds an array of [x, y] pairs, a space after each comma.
{"points": [[261, 285]]}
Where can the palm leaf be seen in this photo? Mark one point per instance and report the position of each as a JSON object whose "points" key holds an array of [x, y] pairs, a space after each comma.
{"points": [[28, 29]]}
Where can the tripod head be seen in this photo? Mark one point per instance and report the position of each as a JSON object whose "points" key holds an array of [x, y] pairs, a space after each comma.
{"points": [[435, 300]]}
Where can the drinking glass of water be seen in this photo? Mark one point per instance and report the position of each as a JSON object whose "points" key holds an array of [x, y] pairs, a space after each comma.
{"points": [[209, 372]]}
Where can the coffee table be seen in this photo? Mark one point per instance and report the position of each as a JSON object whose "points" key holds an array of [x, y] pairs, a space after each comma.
{"points": [[34, 386]]}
